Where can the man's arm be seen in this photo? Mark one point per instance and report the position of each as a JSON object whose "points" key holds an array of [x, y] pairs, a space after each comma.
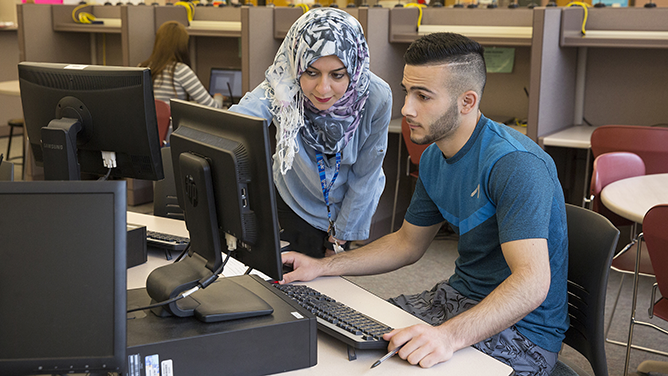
{"points": [[388, 253], [522, 292]]}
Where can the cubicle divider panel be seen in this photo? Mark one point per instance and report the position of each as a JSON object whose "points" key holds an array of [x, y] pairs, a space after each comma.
{"points": [[284, 18], [138, 29], [258, 45], [616, 27], [107, 49], [506, 95], [403, 25], [64, 19], [626, 86], [39, 42], [224, 14], [215, 52], [552, 82], [170, 13]]}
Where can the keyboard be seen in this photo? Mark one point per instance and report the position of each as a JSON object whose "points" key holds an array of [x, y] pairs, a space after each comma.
{"points": [[167, 242], [338, 320]]}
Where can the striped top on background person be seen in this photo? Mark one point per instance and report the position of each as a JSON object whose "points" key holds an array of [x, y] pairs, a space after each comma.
{"points": [[170, 67]]}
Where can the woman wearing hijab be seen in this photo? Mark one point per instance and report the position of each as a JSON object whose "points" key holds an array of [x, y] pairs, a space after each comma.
{"points": [[331, 115]]}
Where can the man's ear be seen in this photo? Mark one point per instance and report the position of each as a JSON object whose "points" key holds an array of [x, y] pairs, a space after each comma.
{"points": [[469, 102]]}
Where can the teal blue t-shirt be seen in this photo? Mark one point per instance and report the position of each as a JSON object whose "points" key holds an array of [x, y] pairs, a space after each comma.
{"points": [[501, 186]]}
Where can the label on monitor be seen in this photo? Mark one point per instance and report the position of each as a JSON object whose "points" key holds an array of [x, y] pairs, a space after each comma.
{"points": [[76, 66]]}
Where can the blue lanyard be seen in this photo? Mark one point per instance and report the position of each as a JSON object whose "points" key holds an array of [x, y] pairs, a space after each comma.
{"points": [[327, 187]]}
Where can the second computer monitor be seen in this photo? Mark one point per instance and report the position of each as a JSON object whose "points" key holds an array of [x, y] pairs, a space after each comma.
{"points": [[227, 82], [79, 116], [222, 163]]}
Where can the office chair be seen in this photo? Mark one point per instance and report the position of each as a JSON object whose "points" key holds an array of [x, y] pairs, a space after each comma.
{"points": [[655, 235], [163, 115], [649, 143], [610, 167], [165, 202], [412, 163], [6, 170], [592, 240]]}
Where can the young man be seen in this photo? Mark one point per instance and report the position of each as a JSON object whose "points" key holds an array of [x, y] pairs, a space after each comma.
{"points": [[499, 191]]}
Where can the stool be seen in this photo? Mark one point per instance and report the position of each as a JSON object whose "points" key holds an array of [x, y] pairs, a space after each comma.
{"points": [[15, 123]]}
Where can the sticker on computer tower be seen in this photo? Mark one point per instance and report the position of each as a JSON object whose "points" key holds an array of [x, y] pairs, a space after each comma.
{"points": [[134, 367], [152, 365], [297, 315], [167, 368]]}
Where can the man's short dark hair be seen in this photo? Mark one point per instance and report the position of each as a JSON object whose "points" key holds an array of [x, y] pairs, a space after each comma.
{"points": [[464, 57]]}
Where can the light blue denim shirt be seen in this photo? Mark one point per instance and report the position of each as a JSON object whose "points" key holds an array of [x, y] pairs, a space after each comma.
{"points": [[356, 191]]}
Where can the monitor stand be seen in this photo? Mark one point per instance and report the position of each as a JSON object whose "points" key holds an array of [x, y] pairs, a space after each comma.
{"points": [[59, 145], [215, 301]]}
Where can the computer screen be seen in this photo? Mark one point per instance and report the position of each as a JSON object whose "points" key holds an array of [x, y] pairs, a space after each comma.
{"points": [[62, 277], [77, 116], [226, 81], [223, 174]]}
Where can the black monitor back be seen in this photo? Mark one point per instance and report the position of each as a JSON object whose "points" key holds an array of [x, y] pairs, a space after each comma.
{"points": [[115, 106], [62, 277], [237, 150]]}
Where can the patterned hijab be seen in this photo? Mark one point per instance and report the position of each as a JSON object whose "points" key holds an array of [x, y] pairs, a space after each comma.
{"points": [[319, 32]]}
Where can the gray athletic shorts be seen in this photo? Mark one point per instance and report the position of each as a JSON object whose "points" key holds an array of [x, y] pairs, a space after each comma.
{"points": [[510, 346]]}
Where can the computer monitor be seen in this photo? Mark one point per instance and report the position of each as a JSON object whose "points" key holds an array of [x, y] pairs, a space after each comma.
{"points": [[77, 116], [222, 168], [62, 277], [226, 81]]}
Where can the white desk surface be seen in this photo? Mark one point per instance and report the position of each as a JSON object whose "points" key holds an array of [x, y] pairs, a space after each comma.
{"points": [[577, 136], [631, 198], [332, 354], [10, 88]]}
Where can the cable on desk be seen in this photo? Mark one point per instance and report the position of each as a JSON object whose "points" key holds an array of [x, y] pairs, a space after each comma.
{"points": [[82, 17], [190, 8], [303, 6], [202, 283], [586, 12], [419, 6]]}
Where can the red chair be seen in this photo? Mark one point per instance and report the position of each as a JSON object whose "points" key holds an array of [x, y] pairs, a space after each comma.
{"points": [[655, 235], [647, 142], [414, 150], [413, 160], [608, 168], [163, 114]]}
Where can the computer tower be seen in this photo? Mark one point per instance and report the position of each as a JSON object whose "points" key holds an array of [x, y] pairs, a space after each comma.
{"points": [[172, 346]]}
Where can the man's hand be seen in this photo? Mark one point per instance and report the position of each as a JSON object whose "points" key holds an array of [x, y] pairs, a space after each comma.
{"points": [[422, 344], [305, 268]]}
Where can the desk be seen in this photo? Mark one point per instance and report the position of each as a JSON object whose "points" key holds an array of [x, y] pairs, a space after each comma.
{"points": [[332, 354], [10, 88], [631, 198], [577, 137]]}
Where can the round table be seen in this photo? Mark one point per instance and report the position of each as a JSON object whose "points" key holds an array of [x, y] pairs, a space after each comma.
{"points": [[631, 198]]}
